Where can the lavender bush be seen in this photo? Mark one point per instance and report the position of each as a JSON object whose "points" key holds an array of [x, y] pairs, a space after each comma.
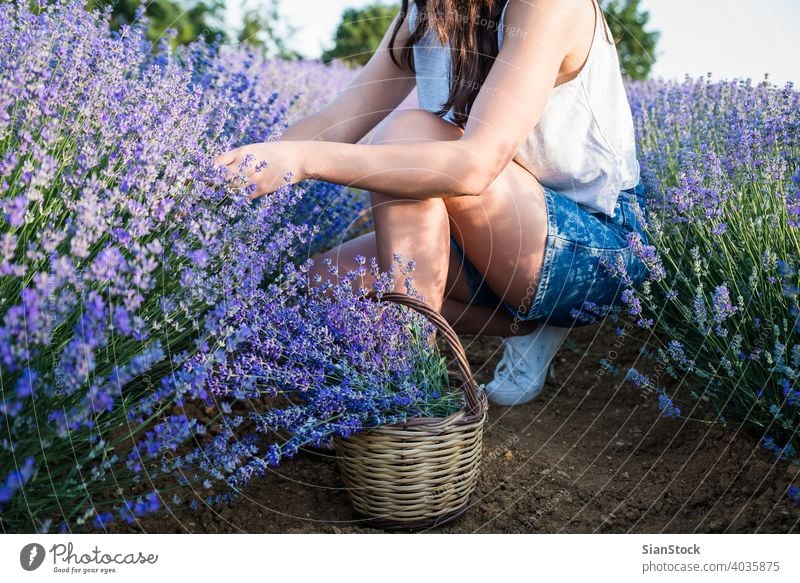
{"points": [[122, 251], [292, 89], [721, 163]]}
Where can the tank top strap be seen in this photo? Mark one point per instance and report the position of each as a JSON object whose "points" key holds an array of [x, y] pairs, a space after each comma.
{"points": [[599, 29], [597, 19], [597, 10]]}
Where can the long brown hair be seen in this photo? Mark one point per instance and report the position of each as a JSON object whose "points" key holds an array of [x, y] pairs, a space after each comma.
{"points": [[470, 26]]}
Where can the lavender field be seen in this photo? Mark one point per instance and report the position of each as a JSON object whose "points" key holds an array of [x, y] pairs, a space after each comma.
{"points": [[162, 350]]}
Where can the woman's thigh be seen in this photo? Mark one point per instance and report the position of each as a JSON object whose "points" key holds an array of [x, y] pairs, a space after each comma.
{"points": [[503, 233]]}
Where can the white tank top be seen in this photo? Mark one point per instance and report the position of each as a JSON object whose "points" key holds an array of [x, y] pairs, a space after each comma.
{"points": [[583, 144]]}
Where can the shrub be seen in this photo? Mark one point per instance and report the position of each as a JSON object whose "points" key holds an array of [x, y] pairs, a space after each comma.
{"points": [[121, 249], [720, 166]]}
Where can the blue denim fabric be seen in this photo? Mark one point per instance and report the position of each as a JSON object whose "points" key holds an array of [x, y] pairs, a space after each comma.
{"points": [[577, 241]]}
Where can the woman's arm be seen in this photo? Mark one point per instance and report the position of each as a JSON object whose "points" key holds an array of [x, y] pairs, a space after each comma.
{"points": [[511, 100], [378, 88]]}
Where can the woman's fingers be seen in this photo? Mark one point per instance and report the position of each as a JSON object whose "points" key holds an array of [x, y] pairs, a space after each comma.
{"points": [[250, 174], [227, 158], [234, 162]]}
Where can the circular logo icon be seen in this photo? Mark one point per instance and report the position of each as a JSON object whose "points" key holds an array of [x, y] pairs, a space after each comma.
{"points": [[31, 556]]}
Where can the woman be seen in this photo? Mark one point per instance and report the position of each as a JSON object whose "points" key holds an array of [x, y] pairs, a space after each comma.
{"points": [[511, 186]]}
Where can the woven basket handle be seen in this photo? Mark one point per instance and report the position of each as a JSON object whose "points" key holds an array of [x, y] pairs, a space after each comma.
{"points": [[470, 387]]}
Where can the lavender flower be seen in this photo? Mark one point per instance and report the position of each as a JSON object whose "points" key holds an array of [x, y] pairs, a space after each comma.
{"points": [[793, 202], [667, 407], [722, 307], [793, 493]]}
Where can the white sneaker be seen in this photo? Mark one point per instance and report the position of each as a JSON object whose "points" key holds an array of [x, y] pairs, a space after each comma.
{"points": [[521, 372]]}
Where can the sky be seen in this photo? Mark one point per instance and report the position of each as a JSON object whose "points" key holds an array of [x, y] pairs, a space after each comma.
{"points": [[732, 38]]}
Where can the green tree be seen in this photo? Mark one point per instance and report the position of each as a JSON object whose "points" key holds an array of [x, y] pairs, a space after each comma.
{"points": [[260, 30], [190, 20], [636, 46], [360, 32]]}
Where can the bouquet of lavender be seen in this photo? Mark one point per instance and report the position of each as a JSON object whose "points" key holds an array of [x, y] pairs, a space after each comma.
{"points": [[122, 251], [332, 363], [721, 163]]}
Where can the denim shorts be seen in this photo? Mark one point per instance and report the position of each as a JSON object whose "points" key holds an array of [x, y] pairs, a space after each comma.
{"points": [[579, 243]]}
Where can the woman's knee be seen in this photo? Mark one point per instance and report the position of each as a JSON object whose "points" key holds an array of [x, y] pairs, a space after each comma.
{"points": [[414, 125]]}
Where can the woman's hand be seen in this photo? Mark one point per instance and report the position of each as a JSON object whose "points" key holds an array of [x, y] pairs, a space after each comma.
{"points": [[266, 166]]}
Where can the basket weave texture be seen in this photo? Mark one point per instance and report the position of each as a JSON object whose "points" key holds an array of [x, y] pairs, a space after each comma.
{"points": [[422, 472]]}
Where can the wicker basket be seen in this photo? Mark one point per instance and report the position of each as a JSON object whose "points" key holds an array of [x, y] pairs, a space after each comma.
{"points": [[420, 473]]}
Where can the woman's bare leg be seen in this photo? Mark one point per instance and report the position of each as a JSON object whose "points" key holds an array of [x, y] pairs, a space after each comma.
{"points": [[502, 232]]}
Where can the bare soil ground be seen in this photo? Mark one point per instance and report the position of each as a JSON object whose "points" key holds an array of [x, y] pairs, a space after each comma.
{"points": [[589, 455]]}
